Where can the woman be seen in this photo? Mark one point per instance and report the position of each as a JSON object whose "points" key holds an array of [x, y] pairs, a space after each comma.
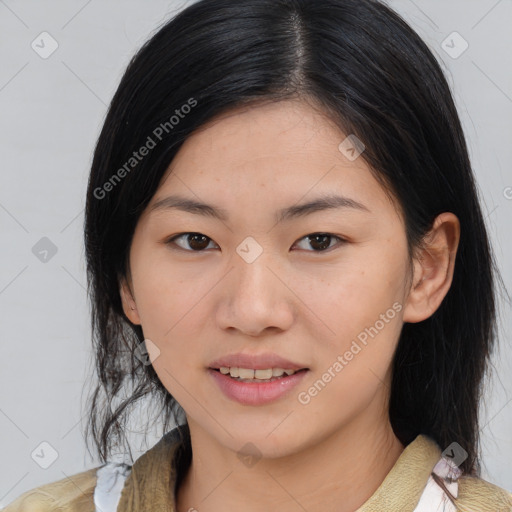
{"points": [[286, 252]]}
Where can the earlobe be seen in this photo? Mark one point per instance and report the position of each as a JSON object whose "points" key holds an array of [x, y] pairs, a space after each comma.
{"points": [[129, 305], [433, 269]]}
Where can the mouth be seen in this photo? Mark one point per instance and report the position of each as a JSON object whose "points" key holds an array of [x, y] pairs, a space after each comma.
{"points": [[251, 387]]}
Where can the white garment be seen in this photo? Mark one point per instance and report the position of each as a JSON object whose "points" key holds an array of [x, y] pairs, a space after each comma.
{"points": [[112, 476], [434, 498], [110, 480]]}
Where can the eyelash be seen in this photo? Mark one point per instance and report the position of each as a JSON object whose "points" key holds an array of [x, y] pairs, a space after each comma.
{"points": [[171, 241]]}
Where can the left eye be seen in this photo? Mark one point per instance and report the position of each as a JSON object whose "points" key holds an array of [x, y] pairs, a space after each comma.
{"points": [[199, 242], [321, 241]]}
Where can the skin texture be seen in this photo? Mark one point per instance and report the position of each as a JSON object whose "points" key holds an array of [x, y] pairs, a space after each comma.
{"points": [[295, 300]]}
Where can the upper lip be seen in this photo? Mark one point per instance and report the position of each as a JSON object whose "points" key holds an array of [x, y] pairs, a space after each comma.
{"points": [[255, 362]]}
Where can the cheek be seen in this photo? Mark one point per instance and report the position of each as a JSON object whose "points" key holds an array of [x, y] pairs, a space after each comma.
{"points": [[361, 304], [363, 308], [170, 310], [164, 292], [352, 295], [172, 305]]}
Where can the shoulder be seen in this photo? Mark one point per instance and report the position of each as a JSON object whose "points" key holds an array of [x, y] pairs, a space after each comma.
{"points": [[476, 494], [75, 493]]}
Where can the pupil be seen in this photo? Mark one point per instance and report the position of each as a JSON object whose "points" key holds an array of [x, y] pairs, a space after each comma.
{"points": [[192, 239], [314, 239]]}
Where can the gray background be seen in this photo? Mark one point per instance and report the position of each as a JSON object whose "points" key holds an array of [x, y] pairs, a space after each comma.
{"points": [[51, 113]]}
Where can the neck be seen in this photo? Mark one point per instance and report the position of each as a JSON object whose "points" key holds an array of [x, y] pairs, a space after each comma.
{"points": [[339, 473]]}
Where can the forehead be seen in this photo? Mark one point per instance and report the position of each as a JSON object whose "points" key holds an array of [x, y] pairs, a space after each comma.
{"points": [[275, 152], [286, 129]]}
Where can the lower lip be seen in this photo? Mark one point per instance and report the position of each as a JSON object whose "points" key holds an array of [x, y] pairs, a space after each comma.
{"points": [[254, 393]]}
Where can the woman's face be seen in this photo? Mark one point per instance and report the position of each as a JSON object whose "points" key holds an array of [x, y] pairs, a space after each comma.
{"points": [[251, 282]]}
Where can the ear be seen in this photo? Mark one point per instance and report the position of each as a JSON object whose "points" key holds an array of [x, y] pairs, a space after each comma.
{"points": [[434, 266], [129, 305]]}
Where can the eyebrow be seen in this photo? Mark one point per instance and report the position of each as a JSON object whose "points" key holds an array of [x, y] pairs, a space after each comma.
{"points": [[300, 210]]}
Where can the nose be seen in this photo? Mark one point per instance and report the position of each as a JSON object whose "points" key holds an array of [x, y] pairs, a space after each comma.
{"points": [[256, 298]]}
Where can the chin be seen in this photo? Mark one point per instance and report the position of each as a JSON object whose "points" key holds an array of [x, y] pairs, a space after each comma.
{"points": [[260, 444]]}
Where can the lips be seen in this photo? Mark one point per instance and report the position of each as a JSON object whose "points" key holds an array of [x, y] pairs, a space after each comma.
{"points": [[256, 393], [256, 362]]}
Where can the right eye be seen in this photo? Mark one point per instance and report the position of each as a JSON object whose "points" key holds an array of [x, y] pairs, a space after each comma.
{"points": [[196, 241]]}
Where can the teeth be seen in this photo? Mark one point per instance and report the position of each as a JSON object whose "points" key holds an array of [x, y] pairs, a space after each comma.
{"points": [[250, 374], [263, 374], [244, 373]]}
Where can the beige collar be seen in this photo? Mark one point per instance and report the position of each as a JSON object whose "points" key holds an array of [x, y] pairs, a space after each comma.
{"points": [[404, 484]]}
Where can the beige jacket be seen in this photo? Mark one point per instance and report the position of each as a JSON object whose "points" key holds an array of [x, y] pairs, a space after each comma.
{"points": [[151, 480]]}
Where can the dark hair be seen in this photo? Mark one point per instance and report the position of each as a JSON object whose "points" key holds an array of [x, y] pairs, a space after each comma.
{"points": [[368, 71]]}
